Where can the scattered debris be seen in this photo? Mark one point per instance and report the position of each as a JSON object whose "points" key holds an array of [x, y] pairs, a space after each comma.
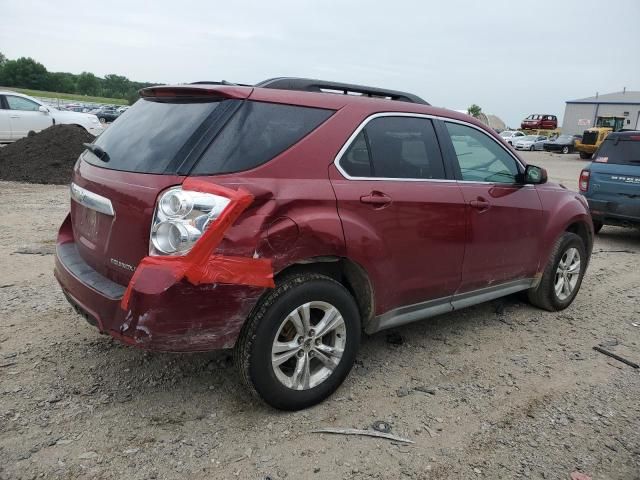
{"points": [[366, 433], [403, 391], [88, 456], [425, 389], [617, 357], [381, 426], [579, 476], [36, 250]]}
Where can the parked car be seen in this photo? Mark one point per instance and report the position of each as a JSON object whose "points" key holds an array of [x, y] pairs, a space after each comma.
{"points": [[530, 142], [562, 144], [510, 136], [537, 121], [21, 115], [107, 114], [220, 216], [611, 182]]}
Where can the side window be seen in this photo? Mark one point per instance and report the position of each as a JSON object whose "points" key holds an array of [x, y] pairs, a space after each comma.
{"points": [[356, 161], [481, 158], [404, 147], [257, 133], [19, 103]]}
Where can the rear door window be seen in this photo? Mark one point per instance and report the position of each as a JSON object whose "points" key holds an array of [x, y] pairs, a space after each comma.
{"points": [[624, 151], [395, 147], [257, 133]]}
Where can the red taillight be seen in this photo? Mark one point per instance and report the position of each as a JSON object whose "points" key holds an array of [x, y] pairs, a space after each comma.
{"points": [[583, 183]]}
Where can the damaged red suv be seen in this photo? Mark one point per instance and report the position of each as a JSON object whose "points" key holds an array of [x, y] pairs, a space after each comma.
{"points": [[284, 219]]}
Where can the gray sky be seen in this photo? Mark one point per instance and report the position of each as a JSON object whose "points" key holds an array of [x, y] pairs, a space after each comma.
{"points": [[512, 59]]}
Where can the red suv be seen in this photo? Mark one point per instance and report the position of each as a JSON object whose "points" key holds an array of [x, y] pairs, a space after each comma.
{"points": [[284, 219], [539, 122]]}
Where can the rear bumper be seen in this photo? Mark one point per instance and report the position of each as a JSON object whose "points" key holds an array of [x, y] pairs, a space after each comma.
{"points": [[183, 318], [615, 213]]}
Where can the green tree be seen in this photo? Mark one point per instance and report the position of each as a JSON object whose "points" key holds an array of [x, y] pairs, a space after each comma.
{"points": [[25, 73], [474, 110], [88, 84], [3, 59], [116, 85]]}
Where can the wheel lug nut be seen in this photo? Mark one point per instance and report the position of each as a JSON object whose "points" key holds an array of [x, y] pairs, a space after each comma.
{"points": [[312, 333], [300, 354], [300, 340], [317, 341]]}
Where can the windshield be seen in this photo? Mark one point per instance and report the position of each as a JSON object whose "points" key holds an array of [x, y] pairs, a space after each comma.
{"points": [[150, 135]]}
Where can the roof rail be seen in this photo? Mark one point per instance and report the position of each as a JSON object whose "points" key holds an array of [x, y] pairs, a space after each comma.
{"points": [[325, 86]]}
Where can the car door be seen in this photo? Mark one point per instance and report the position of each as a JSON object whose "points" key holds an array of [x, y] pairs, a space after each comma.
{"points": [[25, 116], [403, 220], [504, 218], [5, 123]]}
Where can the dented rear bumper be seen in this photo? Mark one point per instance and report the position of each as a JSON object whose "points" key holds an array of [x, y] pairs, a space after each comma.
{"points": [[181, 318]]}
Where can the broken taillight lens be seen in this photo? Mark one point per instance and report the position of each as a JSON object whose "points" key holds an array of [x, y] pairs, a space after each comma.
{"points": [[180, 219]]}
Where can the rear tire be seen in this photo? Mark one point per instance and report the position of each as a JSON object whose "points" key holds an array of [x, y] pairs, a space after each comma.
{"points": [[561, 270], [277, 328], [565, 150], [102, 120], [585, 155]]}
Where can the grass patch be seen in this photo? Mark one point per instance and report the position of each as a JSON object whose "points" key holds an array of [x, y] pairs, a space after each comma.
{"points": [[69, 96]]}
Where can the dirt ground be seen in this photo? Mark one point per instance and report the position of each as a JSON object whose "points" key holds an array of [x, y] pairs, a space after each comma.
{"points": [[501, 390]]}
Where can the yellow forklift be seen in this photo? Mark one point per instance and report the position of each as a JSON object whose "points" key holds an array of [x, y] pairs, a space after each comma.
{"points": [[593, 137]]}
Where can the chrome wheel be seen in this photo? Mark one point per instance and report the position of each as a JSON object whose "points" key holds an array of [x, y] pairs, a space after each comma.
{"points": [[308, 345], [567, 273]]}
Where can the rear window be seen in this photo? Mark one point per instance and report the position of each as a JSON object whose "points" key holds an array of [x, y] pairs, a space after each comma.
{"points": [[149, 136], [621, 151], [257, 133]]}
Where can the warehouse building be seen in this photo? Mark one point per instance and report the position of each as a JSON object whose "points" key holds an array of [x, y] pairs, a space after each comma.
{"points": [[583, 113]]}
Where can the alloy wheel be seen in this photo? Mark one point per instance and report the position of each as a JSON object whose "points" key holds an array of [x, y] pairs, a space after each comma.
{"points": [[309, 345], [567, 274]]}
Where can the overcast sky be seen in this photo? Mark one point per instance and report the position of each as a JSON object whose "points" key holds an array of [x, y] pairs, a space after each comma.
{"points": [[510, 58]]}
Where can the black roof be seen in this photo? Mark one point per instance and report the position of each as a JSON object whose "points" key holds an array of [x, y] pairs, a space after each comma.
{"points": [[326, 86]]}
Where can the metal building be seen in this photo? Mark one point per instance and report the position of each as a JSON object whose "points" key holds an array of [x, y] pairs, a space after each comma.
{"points": [[583, 113]]}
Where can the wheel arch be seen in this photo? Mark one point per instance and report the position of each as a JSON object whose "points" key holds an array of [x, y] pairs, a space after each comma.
{"points": [[345, 271]]}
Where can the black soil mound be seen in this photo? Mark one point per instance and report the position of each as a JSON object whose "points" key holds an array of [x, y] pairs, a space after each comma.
{"points": [[47, 157]]}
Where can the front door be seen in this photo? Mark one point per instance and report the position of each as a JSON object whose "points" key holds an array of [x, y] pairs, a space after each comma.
{"points": [[25, 116], [403, 220], [504, 218]]}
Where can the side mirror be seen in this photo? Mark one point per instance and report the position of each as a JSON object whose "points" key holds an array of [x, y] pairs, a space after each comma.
{"points": [[43, 109], [534, 175]]}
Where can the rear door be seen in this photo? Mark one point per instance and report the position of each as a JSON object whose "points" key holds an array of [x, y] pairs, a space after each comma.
{"points": [[24, 116], [504, 219], [403, 218]]}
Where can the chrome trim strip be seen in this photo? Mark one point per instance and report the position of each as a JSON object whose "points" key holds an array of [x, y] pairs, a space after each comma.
{"points": [[91, 200], [431, 308], [364, 123]]}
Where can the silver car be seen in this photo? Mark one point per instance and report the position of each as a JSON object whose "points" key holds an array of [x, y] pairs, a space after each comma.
{"points": [[511, 136], [530, 142]]}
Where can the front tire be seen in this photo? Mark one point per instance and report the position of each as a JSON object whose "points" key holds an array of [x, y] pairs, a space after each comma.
{"points": [[585, 155], [102, 120], [300, 342], [531, 148], [562, 276], [565, 150]]}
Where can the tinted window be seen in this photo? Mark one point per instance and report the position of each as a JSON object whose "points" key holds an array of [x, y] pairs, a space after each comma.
{"points": [[623, 152], [19, 103], [257, 133], [150, 135], [355, 160], [481, 158], [404, 147]]}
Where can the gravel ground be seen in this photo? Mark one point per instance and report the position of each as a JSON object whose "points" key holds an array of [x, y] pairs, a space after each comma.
{"points": [[501, 390]]}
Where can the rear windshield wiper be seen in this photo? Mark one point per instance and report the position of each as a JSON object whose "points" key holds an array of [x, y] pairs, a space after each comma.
{"points": [[97, 151]]}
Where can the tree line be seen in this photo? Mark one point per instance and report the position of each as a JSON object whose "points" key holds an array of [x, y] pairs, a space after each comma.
{"points": [[25, 72]]}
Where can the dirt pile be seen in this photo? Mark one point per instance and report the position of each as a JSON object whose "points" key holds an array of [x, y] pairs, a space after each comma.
{"points": [[47, 157]]}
